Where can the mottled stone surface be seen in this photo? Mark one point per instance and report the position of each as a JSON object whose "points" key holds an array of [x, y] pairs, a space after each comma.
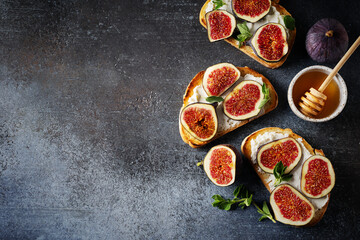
{"points": [[89, 144]]}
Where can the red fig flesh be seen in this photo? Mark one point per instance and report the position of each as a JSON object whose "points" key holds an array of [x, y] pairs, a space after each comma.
{"points": [[270, 42], [200, 120], [290, 206], [244, 100], [220, 24], [251, 10], [220, 164], [317, 177], [218, 78], [286, 150]]}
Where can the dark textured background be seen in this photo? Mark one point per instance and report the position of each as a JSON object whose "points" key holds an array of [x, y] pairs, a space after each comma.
{"points": [[89, 142]]}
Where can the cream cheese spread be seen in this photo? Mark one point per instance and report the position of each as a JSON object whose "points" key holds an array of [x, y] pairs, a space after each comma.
{"points": [[199, 95], [296, 172]]}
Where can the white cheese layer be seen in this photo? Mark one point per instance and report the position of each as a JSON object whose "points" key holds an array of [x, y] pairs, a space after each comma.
{"points": [[273, 16], [226, 6], [296, 172], [199, 95]]}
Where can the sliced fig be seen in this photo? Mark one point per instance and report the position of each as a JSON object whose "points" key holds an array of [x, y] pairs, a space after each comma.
{"points": [[317, 177], [287, 150], [290, 206], [220, 24], [244, 100], [218, 78], [200, 120], [251, 10], [270, 42], [220, 164]]}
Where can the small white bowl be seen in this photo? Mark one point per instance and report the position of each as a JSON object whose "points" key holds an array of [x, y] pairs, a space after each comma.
{"points": [[342, 88]]}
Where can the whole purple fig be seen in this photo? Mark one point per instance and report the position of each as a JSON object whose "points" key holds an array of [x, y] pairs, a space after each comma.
{"points": [[327, 40]]}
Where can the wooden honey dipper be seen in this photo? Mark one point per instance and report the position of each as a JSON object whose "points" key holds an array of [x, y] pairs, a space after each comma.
{"points": [[313, 100]]}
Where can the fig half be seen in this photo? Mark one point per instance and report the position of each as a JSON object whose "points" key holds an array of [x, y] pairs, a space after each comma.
{"points": [[220, 24], [287, 150], [220, 164], [270, 42], [290, 206], [243, 101], [218, 78], [251, 10], [317, 177], [200, 121]]}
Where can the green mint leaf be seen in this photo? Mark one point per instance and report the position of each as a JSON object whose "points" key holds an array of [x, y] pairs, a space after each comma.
{"points": [[216, 204], [279, 169], [287, 177], [242, 38], [276, 171], [260, 211], [225, 205], [228, 207], [218, 4], [222, 205], [289, 22], [244, 33], [279, 173], [212, 99], [263, 102], [262, 218], [243, 28], [277, 181], [265, 208], [266, 91], [248, 201], [217, 197], [237, 191]]}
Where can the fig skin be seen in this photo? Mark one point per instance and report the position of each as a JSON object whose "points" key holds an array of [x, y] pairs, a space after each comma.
{"points": [[207, 106], [232, 22], [256, 48], [289, 168], [248, 18], [279, 216], [213, 68], [327, 40], [304, 171], [251, 114], [236, 158]]}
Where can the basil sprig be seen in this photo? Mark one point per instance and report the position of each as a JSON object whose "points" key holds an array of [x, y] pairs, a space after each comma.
{"points": [[266, 92], [279, 173], [244, 33], [289, 22], [218, 4], [242, 196]]}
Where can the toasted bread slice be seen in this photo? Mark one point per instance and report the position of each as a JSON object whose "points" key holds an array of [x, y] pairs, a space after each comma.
{"points": [[247, 49], [197, 81], [246, 149]]}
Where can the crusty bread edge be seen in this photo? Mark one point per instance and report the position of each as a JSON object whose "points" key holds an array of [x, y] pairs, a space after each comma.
{"points": [[247, 49], [197, 80], [246, 151]]}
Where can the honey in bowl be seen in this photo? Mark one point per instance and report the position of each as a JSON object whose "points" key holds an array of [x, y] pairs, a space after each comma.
{"points": [[314, 79]]}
